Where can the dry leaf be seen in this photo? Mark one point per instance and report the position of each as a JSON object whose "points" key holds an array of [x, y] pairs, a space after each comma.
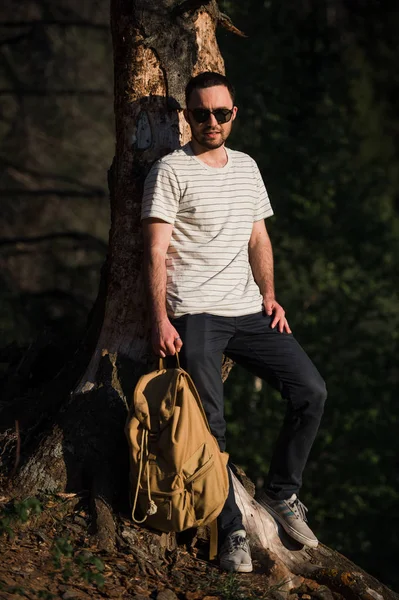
{"points": [[65, 495], [197, 595]]}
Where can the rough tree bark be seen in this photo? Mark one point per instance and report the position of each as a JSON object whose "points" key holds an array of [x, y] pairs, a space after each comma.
{"points": [[158, 45]]}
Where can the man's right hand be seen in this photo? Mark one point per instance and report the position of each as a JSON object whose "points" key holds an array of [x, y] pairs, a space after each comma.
{"points": [[165, 338]]}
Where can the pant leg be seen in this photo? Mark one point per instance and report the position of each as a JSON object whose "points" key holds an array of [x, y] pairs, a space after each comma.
{"points": [[204, 340], [279, 359]]}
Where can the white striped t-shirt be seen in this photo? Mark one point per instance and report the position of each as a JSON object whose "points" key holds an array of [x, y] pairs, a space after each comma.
{"points": [[212, 211]]}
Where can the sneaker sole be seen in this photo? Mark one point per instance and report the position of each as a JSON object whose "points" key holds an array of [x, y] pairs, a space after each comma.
{"points": [[231, 568], [299, 537]]}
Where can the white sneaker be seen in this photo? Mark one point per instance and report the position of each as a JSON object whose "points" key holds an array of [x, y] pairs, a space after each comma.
{"points": [[235, 554], [291, 514]]}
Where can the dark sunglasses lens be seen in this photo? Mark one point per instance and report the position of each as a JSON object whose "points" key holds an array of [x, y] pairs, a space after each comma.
{"points": [[222, 115], [201, 114]]}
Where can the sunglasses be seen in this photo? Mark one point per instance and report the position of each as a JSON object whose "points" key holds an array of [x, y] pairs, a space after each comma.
{"points": [[222, 115]]}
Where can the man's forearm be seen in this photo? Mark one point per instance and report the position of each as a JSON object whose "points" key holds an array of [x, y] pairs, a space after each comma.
{"points": [[261, 261], [155, 282], [165, 339]]}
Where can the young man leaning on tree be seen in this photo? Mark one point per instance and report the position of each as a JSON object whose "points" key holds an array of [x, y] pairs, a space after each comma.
{"points": [[209, 273]]}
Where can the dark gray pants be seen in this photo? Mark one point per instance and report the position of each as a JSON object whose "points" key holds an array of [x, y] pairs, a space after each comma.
{"points": [[274, 357]]}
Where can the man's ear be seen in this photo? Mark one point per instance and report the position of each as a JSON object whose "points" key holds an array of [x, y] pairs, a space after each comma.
{"points": [[235, 110]]}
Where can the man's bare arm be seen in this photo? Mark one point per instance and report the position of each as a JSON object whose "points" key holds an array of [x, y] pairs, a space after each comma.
{"points": [[261, 260], [164, 337]]}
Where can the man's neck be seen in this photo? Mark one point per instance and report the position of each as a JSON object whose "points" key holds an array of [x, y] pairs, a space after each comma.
{"points": [[216, 157]]}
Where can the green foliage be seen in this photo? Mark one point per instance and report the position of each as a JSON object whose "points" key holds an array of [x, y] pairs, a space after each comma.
{"points": [[18, 512], [231, 586], [316, 113], [66, 559], [45, 595]]}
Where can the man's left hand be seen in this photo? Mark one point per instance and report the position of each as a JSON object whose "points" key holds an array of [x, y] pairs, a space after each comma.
{"points": [[274, 308]]}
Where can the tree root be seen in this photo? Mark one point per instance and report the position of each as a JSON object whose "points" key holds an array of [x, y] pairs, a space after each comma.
{"points": [[105, 535], [321, 566]]}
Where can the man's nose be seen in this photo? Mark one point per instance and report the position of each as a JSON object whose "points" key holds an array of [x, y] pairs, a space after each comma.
{"points": [[211, 120]]}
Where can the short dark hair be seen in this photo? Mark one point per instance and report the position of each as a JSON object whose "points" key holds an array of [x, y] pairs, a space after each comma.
{"points": [[205, 80]]}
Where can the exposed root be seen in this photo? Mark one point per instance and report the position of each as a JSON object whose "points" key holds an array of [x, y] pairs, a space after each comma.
{"points": [[105, 535]]}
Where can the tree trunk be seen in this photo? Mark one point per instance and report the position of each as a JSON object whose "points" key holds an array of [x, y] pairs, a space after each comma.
{"points": [[156, 51], [158, 46]]}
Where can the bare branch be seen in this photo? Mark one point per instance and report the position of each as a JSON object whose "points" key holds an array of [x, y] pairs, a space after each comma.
{"points": [[13, 192], [27, 92], [227, 23], [55, 22], [73, 235], [78, 300], [16, 38], [51, 176]]}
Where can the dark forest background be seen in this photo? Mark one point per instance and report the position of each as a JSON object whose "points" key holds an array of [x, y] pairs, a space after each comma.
{"points": [[317, 86]]}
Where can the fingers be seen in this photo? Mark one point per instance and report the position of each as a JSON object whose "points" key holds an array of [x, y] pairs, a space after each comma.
{"points": [[170, 347], [282, 325], [287, 327], [165, 348], [174, 344], [165, 340], [268, 304], [279, 319], [178, 344]]}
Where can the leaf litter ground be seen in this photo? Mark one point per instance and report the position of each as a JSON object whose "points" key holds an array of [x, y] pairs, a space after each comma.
{"points": [[47, 551]]}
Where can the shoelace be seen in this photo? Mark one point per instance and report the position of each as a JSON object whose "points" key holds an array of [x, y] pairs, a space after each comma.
{"points": [[237, 542], [299, 509]]}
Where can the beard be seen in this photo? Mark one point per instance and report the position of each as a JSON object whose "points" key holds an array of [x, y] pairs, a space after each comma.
{"points": [[210, 144]]}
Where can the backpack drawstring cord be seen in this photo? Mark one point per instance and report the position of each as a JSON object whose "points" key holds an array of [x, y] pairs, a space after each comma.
{"points": [[152, 509]]}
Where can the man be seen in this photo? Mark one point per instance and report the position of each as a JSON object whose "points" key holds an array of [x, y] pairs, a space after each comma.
{"points": [[209, 272]]}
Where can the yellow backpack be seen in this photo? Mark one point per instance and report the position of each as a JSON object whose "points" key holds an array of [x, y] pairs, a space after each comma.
{"points": [[178, 475]]}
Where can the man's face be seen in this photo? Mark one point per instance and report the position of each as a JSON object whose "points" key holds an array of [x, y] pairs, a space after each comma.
{"points": [[210, 134]]}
